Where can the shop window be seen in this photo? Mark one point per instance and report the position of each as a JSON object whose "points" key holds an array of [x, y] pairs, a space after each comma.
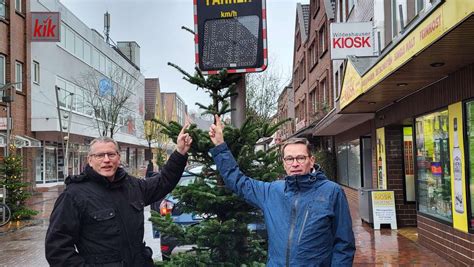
{"points": [[348, 164], [470, 148], [433, 167]]}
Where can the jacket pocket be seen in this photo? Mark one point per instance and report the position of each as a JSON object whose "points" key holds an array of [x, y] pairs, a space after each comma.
{"points": [[104, 223], [103, 215]]}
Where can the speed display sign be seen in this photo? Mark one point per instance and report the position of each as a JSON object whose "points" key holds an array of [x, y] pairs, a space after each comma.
{"points": [[230, 34]]}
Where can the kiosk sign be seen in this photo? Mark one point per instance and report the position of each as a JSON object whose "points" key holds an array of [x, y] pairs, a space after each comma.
{"points": [[352, 39], [230, 34]]}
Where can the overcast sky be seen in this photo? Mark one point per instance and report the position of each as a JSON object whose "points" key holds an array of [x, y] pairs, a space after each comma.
{"points": [[156, 26]]}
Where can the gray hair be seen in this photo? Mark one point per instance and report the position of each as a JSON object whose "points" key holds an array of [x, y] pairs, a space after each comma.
{"points": [[103, 139], [296, 140]]}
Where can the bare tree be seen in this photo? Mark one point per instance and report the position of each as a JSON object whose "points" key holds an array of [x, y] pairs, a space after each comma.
{"points": [[263, 90], [109, 99]]}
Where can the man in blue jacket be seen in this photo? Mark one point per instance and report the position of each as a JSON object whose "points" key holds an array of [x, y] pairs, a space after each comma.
{"points": [[306, 215]]}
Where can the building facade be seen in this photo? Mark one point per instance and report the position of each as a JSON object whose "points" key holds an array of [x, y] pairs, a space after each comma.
{"points": [[174, 108], [403, 119], [15, 69], [77, 81]]}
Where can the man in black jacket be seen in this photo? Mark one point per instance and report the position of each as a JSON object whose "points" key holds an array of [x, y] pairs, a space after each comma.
{"points": [[98, 220]]}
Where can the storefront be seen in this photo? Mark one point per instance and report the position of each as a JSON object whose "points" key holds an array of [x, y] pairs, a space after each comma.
{"points": [[419, 141]]}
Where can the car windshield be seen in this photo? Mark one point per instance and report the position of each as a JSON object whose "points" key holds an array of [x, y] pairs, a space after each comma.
{"points": [[186, 180]]}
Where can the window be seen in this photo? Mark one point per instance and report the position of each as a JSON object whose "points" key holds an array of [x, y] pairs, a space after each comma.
{"points": [[313, 54], [2, 70], [397, 7], [87, 53], [69, 40], [3, 9], [302, 70], [298, 40], [313, 101], [433, 165], [348, 164], [18, 6], [36, 72], [324, 94], [350, 5], [470, 161], [18, 76], [63, 36], [314, 7], [322, 40], [79, 48]]}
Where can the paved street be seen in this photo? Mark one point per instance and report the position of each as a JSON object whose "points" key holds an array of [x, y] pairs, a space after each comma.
{"points": [[25, 246]]}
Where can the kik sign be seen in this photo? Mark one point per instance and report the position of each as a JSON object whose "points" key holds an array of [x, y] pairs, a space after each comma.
{"points": [[352, 39], [45, 26]]}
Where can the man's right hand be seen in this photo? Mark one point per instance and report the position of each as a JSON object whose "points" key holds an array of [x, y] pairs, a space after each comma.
{"points": [[215, 132]]}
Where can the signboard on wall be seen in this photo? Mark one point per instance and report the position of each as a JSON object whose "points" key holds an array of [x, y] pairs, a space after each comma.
{"points": [[231, 35], [383, 209], [381, 162], [457, 162], [352, 39], [45, 26]]}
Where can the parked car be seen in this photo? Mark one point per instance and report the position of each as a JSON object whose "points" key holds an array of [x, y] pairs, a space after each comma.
{"points": [[169, 206]]}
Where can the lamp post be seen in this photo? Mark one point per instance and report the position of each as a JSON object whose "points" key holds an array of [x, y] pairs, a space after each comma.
{"points": [[8, 97], [62, 128]]}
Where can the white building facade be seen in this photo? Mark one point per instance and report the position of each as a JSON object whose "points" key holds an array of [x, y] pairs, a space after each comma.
{"points": [[58, 78]]}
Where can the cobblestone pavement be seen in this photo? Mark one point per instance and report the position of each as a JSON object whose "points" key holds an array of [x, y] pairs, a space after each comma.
{"points": [[23, 244]]}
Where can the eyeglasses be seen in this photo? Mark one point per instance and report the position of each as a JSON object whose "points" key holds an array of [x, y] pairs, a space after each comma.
{"points": [[101, 156], [300, 159]]}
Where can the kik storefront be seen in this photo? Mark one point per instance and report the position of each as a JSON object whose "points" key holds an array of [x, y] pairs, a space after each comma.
{"points": [[421, 136]]}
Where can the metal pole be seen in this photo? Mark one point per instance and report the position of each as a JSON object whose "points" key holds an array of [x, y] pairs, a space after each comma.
{"points": [[57, 88], [237, 103], [66, 154], [9, 127]]}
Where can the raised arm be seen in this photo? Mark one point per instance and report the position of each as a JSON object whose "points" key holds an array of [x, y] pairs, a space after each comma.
{"points": [[160, 184], [253, 191]]}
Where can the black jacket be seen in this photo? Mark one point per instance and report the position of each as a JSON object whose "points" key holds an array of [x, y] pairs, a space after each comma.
{"points": [[100, 223]]}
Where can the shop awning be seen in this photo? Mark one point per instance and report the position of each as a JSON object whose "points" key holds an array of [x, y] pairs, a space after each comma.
{"points": [[439, 44], [20, 141]]}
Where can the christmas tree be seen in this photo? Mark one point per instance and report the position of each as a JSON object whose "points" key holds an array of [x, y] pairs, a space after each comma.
{"points": [[12, 178], [222, 237]]}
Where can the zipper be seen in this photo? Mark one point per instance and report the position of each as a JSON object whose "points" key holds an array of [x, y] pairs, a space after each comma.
{"points": [[292, 229], [304, 223]]}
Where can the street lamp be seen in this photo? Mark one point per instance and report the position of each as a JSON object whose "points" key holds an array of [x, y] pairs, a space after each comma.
{"points": [[62, 128], [8, 97]]}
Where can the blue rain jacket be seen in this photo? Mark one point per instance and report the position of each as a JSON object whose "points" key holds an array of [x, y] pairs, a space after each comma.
{"points": [[307, 216]]}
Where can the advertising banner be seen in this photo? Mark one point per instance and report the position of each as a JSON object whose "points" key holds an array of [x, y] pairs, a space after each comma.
{"points": [[383, 208], [457, 162], [381, 162]]}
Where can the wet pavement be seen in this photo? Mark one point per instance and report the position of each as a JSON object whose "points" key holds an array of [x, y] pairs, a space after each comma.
{"points": [[22, 244]]}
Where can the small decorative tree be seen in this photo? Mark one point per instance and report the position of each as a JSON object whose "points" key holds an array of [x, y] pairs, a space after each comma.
{"points": [[17, 193]]}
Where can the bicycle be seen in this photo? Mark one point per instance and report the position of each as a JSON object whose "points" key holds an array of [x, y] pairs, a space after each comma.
{"points": [[5, 213]]}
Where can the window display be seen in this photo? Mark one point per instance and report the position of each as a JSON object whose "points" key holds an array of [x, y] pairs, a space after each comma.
{"points": [[433, 166], [470, 147]]}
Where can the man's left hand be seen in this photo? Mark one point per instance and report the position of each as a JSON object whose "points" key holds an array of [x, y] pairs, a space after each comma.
{"points": [[184, 140]]}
